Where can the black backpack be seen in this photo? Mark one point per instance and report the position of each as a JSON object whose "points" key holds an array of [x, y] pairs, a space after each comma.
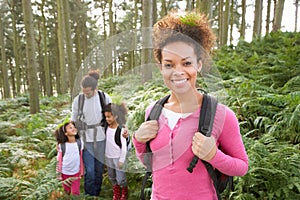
{"points": [[207, 114], [63, 147], [80, 124], [118, 138]]}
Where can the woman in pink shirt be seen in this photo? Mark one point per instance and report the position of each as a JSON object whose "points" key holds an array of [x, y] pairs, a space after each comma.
{"points": [[181, 47]]}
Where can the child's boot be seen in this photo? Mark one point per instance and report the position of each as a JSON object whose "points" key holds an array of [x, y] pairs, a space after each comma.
{"points": [[124, 193], [116, 190]]}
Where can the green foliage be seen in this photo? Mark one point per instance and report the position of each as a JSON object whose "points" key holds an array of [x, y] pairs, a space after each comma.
{"points": [[261, 80], [273, 171], [265, 75], [190, 19]]}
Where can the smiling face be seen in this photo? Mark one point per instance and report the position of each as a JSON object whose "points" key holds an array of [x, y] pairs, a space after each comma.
{"points": [[70, 130], [110, 118], [179, 67]]}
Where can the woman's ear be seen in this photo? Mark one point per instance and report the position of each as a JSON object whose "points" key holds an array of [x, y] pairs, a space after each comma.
{"points": [[199, 66]]}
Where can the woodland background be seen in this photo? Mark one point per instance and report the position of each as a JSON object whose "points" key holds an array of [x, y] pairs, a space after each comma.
{"points": [[46, 47]]}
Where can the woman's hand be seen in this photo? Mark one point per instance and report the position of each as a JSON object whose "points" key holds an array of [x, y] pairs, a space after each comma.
{"points": [[147, 131], [204, 147]]}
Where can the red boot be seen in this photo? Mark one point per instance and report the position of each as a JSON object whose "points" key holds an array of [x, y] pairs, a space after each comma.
{"points": [[116, 190], [124, 193]]}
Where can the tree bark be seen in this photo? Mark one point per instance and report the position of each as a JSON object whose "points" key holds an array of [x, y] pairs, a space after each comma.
{"points": [[220, 22], [231, 22], [205, 6], [257, 19], [243, 24], [268, 19], [61, 50], [163, 10], [16, 44], [48, 89], [4, 62], [146, 53], [69, 45], [296, 15], [31, 58], [278, 15], [226, 22]]}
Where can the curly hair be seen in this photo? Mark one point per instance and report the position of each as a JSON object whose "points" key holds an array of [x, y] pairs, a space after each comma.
{"points": [[192, 28], [117, 110], [60, 133]]}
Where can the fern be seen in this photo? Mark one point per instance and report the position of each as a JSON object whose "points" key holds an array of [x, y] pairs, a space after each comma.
{"points": [[273, 167], [43, 184]]}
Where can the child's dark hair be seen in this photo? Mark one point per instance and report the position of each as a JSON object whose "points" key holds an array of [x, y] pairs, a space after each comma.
{"points": [[117, 110], [60, 133]]}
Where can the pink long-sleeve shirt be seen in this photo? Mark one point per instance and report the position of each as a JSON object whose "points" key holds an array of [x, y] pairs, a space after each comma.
{"points": [[172, 154], [59, 158]]}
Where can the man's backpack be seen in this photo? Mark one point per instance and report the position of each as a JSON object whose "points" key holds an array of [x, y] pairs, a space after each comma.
{"points": [[63, 147], [118, 138], [80, 124], [207, 114]]}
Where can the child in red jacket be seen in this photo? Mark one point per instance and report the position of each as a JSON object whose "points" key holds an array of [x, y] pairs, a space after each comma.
{"points": [[69, 157]]}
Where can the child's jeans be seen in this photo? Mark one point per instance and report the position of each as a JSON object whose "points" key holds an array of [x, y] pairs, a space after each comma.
{"points": [[71, 183]]}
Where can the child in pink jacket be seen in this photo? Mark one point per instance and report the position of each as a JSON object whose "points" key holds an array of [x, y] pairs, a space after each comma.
{"points": [[69, 158], [182, 43]]}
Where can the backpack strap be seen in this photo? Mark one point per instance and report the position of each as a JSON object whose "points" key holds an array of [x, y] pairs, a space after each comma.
{"points": [[78, 141], [80, 106], [102, 98], [206, 120], [118, 137], [153, 115], [102, 104], [63, 147], [207, 115]]}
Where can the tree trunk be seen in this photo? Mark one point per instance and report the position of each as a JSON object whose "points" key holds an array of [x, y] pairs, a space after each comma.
{"points": [[154, 12], [243, 24], [205, 6], [231, 22], [31, 58], [189, 5], [107, 63], [268, 19], [78, 30], [48, 90], [163, 10], [296, 15], [4, 62], [278, 15], [146, 53], [257, 19], [61, 50], [220, 23], [16, 44], [103, 7], [69, 45], [225, 23]]}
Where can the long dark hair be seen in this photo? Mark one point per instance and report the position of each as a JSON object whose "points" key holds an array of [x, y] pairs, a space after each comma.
{"points": [[60, 133]]}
